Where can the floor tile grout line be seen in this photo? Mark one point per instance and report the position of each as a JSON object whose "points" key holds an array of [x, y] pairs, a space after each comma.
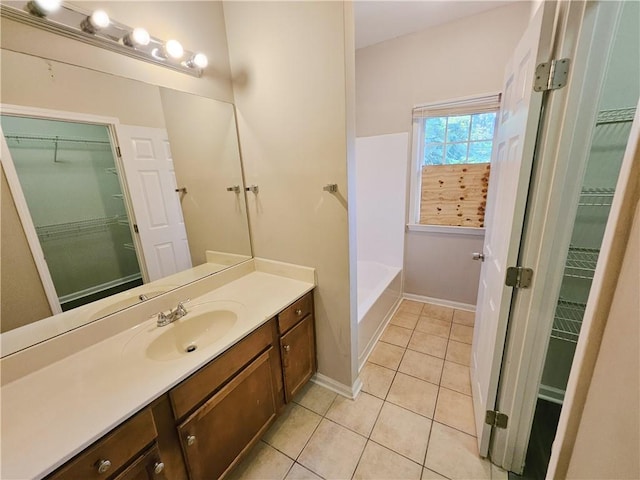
{"points": [[384, 401], [412, 411], [360, 457], [435, 407], [396, 371], [388, 447], [346, 428], [389, 343], [290, 468], [454, 428], [322, 416], [397, 453], [295, 460]]}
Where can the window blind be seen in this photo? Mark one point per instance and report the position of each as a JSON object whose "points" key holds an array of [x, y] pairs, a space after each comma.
{"points": [[484, 104]]}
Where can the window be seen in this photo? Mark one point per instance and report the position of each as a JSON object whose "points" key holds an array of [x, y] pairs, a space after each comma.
{"points": [[452, 149], [458, 139]]}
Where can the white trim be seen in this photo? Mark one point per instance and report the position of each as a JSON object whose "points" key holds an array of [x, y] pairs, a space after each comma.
{"points": [[116, 133], [461, 101], [415, 171], [28, 227], [440, 301], [99, 288], [340, 388], [446, 230], [24, 111]]}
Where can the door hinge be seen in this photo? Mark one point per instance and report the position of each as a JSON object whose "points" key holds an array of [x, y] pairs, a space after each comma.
{"points": [[519, 277], [118, 152], [496, 419], [551, 75], [135, 228]]}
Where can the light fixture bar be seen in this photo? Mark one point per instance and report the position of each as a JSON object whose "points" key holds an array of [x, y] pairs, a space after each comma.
{"points": [[67, 21]]}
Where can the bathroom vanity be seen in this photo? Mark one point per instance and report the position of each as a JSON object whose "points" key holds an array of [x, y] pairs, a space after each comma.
{"points": [[186, 400]]}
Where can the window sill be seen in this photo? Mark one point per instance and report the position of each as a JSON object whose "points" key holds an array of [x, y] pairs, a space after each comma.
{"points": [[444, 229]]}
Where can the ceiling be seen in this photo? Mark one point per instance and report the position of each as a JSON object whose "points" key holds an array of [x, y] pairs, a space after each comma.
{"points": [[377, 21]]}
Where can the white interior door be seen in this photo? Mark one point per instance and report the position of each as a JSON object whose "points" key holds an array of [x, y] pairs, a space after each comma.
{"points": [[151, 181], [506, 202]]}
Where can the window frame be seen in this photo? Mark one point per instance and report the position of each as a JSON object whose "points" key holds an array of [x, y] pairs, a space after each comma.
{"points": [[459, 106]]}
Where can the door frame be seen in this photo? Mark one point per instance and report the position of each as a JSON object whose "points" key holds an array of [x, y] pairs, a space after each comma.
{"points": [[569, 119], [19, 199]]}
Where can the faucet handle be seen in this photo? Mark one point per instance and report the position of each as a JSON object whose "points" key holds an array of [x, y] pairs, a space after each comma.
{"points": [[180, 310], [163, 319]]}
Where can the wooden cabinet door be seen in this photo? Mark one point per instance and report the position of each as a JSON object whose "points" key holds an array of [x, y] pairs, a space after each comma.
{"points": [[298, 356], [218, 433], [147, 467], [112, 452]]}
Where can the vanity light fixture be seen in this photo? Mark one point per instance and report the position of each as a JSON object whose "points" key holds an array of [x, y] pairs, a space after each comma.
{"points": [[97, 29], [98, 20], [42, 8]]}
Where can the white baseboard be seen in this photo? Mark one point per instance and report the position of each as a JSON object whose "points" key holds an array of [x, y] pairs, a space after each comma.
{"points": [[374, 340], [340, 388], [439, 301]]}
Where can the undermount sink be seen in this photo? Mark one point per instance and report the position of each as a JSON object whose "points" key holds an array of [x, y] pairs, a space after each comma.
{"points": [[200, 327]]}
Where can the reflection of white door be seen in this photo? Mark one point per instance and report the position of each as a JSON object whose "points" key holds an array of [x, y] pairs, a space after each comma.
{"points": [[151, 182], [507, 197]]}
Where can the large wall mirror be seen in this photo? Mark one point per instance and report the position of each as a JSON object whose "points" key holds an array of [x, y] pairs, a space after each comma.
{"points": [[113, 191]]}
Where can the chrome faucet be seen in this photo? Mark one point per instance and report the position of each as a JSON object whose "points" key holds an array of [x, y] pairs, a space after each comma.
{"points": [[173, 315]]}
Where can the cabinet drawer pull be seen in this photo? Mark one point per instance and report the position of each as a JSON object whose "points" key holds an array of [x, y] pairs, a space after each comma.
{"points": [[191, 439], [158, 468], [103, 466], [298, 312]]}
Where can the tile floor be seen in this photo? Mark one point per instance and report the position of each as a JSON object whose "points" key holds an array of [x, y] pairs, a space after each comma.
{"points": [[413, 419]]}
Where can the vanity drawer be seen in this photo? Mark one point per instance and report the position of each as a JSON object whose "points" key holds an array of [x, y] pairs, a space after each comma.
{"points": [[148, 466], [117, 448], [295, 312], [199, 386]]}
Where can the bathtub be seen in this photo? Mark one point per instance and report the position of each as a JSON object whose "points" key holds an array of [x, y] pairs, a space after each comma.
{"points": [[379, 291]]}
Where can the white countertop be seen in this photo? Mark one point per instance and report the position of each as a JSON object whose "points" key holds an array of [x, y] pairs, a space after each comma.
{"points": [[50, 415]]}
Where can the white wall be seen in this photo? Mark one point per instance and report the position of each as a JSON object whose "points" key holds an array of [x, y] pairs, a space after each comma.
{"points": [[381, 177], [289, 67], [461, 58]]}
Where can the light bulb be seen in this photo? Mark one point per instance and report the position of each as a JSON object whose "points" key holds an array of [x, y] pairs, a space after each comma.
{"points": [[198, 60], [99, 19], [174, 49], [96, 21], [138, 37], [42, 8]]}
